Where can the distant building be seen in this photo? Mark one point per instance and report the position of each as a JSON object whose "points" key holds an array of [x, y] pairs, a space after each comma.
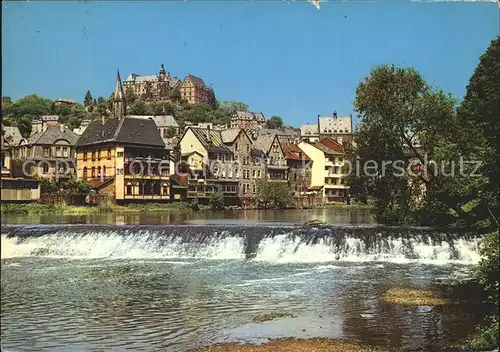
{"points": [[208, 125], [284, 134], [38, 125], [156, 87], [159, 87], [194, 90], [64, 101], [336, 128], [309, 132], [79, 131], [247, 119]]}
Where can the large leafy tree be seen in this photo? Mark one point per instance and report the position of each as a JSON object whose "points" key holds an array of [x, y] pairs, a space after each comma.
{"points": [[274, 122], [404, 120], [479, 117]]}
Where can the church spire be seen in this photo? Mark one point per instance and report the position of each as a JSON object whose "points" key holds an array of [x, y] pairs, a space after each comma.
{"points": [[119, 104]]}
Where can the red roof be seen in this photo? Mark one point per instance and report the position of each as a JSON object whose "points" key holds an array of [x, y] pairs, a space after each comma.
{"points": [[293, 152], [330, 143]]}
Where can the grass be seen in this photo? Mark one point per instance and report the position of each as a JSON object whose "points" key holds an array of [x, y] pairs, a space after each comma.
{"points": [[271, 316], [413, 297], [294, 345], [37, 208]]}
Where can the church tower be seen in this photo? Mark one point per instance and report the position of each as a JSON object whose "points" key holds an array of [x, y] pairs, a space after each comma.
{"points": [[119, 104]]}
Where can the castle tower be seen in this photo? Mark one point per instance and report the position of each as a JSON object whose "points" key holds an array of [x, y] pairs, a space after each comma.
{"points": [[119, 104]]}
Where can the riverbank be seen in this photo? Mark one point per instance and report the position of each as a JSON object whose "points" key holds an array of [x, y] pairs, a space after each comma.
{"points": [[37, 208], [179, 207]]}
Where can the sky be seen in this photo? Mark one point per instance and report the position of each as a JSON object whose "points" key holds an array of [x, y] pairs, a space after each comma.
{"points": [[281, 58]]}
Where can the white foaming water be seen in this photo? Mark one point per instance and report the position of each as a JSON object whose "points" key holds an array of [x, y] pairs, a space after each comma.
{"points": [[277, 249]]}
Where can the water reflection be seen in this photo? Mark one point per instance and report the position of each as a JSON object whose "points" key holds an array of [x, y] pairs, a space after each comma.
{"points": [[335, 216]]}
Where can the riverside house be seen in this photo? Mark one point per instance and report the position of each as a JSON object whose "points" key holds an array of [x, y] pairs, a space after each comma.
{"points": [[124, 157], [326, 170]]}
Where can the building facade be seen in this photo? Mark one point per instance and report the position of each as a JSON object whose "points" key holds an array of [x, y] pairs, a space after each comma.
{"points": [[49, 153], [247, 119], [194, 90], [156, 87], [124, 157]]}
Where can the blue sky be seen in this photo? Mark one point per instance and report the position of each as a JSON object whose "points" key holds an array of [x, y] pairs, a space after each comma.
{"points": [[286, 59]]}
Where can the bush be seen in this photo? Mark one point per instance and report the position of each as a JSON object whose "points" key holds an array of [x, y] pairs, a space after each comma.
{"points": [[485, 339], [216, 201], [274, 195], [194, 205], [487, 271]]}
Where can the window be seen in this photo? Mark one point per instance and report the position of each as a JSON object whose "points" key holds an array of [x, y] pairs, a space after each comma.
{"points": [[109, 153], [84, 155], [93, 172], [45, 169], [62, 168], [237, 173], [104, 171], [236, 146], [119, 171], [58, 152], [254, 173], [165, 133], [66, 152], [254, 190], [248, 148], [46, 152], [129, 189], [84, 172], [259, 175], [98, 154], [98, 171], [120, 154], [93, 154]]}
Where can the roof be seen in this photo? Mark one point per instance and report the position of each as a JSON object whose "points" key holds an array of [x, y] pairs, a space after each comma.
{"points": [[284, 131], [129, 130], [330, 143], [196, 80], [335, 124], [49, 118], [329, 146], [136, 78], [52, 134], [160, 120], [257, 153], [229, 135], [210, 139], [248, 115], [12, 136], [264, 142], [293, 152], [309, 129]]}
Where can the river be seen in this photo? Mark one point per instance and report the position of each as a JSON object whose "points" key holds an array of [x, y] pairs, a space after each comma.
{"points": [[174, 282]]}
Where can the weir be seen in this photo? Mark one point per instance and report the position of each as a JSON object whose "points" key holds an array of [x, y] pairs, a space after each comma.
{"points": [[259, 243]]}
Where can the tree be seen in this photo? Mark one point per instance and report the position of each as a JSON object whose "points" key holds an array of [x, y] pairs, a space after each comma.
{"points": [[87, 101], [101, 100], [130, 96], [216, 201], [274, 122], [233, 106], [212, 101], [397, 106], [175, 95], [24, 124], [139, 108], [478, 138], [273, 195]]}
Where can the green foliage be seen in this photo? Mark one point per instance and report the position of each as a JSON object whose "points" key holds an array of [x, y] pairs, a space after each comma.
{"points": [[488, 272], [216, 201], [485, 338], [87, 101], [48, 186], [232, 106], [273, 195], [130, 96], [77, 187], [274, 122], [175, 95], [139, 107], [194, 205]]}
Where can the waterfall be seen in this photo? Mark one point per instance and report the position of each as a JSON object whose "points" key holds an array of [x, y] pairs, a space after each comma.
{"points": [[275, 244]]}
